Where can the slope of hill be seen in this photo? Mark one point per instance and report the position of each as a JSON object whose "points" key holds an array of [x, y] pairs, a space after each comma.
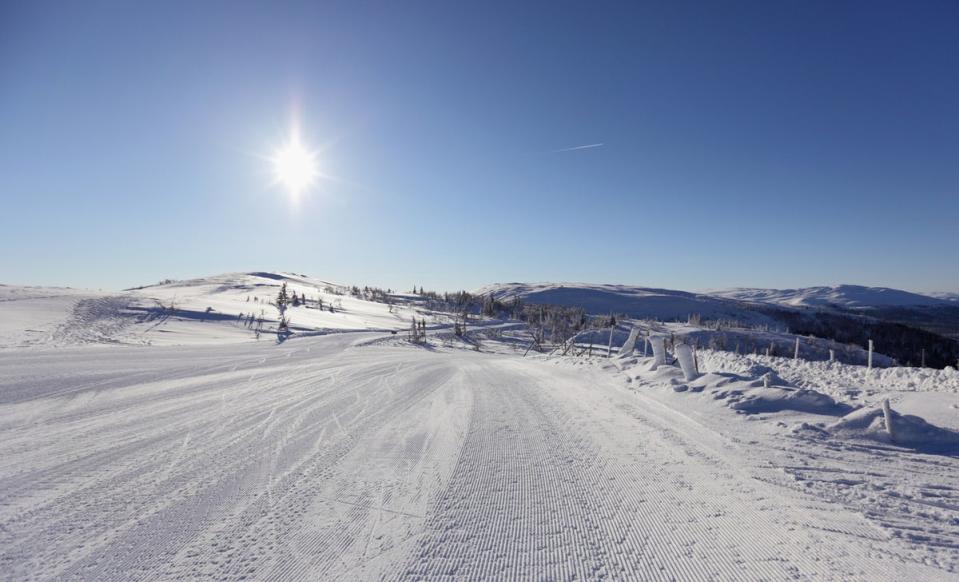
{"points": [[28, 315], [837, 296], [937, 313], [217, 309], [946, 296], [636, 302]]}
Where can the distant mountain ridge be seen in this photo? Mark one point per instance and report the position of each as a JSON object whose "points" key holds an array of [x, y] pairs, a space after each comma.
{"points": [[599, 298], [638, 302], [794, 308], [945, 295], [842, 296]]}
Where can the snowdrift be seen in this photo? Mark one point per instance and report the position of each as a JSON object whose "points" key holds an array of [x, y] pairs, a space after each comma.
{"points": [[765, 388], [907, 430]]}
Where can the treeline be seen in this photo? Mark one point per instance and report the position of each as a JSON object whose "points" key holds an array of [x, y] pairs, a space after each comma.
{"points": [[373, 294], [552, 323], [910, 346], [461, 302]]}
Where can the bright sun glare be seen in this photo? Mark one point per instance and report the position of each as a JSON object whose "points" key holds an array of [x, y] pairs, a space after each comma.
{"points": [[294, 166]]}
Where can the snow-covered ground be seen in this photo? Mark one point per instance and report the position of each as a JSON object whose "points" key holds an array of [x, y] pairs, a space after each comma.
{"points": [[362, 456], [215, 310], [30, 315]]}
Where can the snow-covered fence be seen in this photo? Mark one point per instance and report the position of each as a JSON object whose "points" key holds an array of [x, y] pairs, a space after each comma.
{"points": [[630, 345], [659, 350], [685, 356], [887, 417]]}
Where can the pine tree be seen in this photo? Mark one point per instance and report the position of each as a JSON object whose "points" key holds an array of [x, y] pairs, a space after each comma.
{"points": [[282, 301]]}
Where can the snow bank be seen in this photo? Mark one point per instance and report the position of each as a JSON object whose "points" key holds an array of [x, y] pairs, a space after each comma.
{"points": [[836, 378], [907, 430], [763, 385], [778, 399]]}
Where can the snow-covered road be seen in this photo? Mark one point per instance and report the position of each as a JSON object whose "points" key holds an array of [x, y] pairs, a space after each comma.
{"points": [[339, 457]]}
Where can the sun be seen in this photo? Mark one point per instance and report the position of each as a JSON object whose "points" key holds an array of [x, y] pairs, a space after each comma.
{"points": [[294, 166]]}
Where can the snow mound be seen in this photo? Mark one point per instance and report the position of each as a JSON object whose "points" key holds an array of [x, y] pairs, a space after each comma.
{"points": [[778, 399], [908, 430]]}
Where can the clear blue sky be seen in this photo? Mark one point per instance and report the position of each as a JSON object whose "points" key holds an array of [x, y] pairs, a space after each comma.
{"points": [[762, 143]]}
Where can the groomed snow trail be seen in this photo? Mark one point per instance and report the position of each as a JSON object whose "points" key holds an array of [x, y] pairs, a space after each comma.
{"points": [[325, 458]]}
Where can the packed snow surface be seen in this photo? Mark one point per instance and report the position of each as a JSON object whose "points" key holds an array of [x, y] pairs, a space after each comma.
{"points": [[362, 456], [343, 457]]}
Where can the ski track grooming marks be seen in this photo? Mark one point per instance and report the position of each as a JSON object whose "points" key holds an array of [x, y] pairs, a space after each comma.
{"points": [[323, 459], [549, 503]]}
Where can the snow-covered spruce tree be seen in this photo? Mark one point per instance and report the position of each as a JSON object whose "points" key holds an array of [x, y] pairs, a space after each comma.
{"points": [[282, 301]]}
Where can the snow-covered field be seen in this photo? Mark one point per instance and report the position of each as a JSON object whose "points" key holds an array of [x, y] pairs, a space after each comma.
{"points": [[361, 456], [212, 310]]}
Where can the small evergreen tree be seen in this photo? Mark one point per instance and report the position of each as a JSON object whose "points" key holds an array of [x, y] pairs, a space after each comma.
{"points": [[282, 302]]}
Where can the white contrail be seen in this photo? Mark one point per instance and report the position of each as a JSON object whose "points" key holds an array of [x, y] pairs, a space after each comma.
{"points": [[580, 147]]}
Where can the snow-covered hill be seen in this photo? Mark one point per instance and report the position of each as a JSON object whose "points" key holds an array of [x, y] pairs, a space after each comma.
{"points": [[837, 296], [637, 302], [30, 315], [945, 296], [674, 304], [216, 309], [812, 310]]}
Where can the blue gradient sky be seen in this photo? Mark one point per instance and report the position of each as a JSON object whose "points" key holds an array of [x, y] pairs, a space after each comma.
{"points": [[763, 143]]}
